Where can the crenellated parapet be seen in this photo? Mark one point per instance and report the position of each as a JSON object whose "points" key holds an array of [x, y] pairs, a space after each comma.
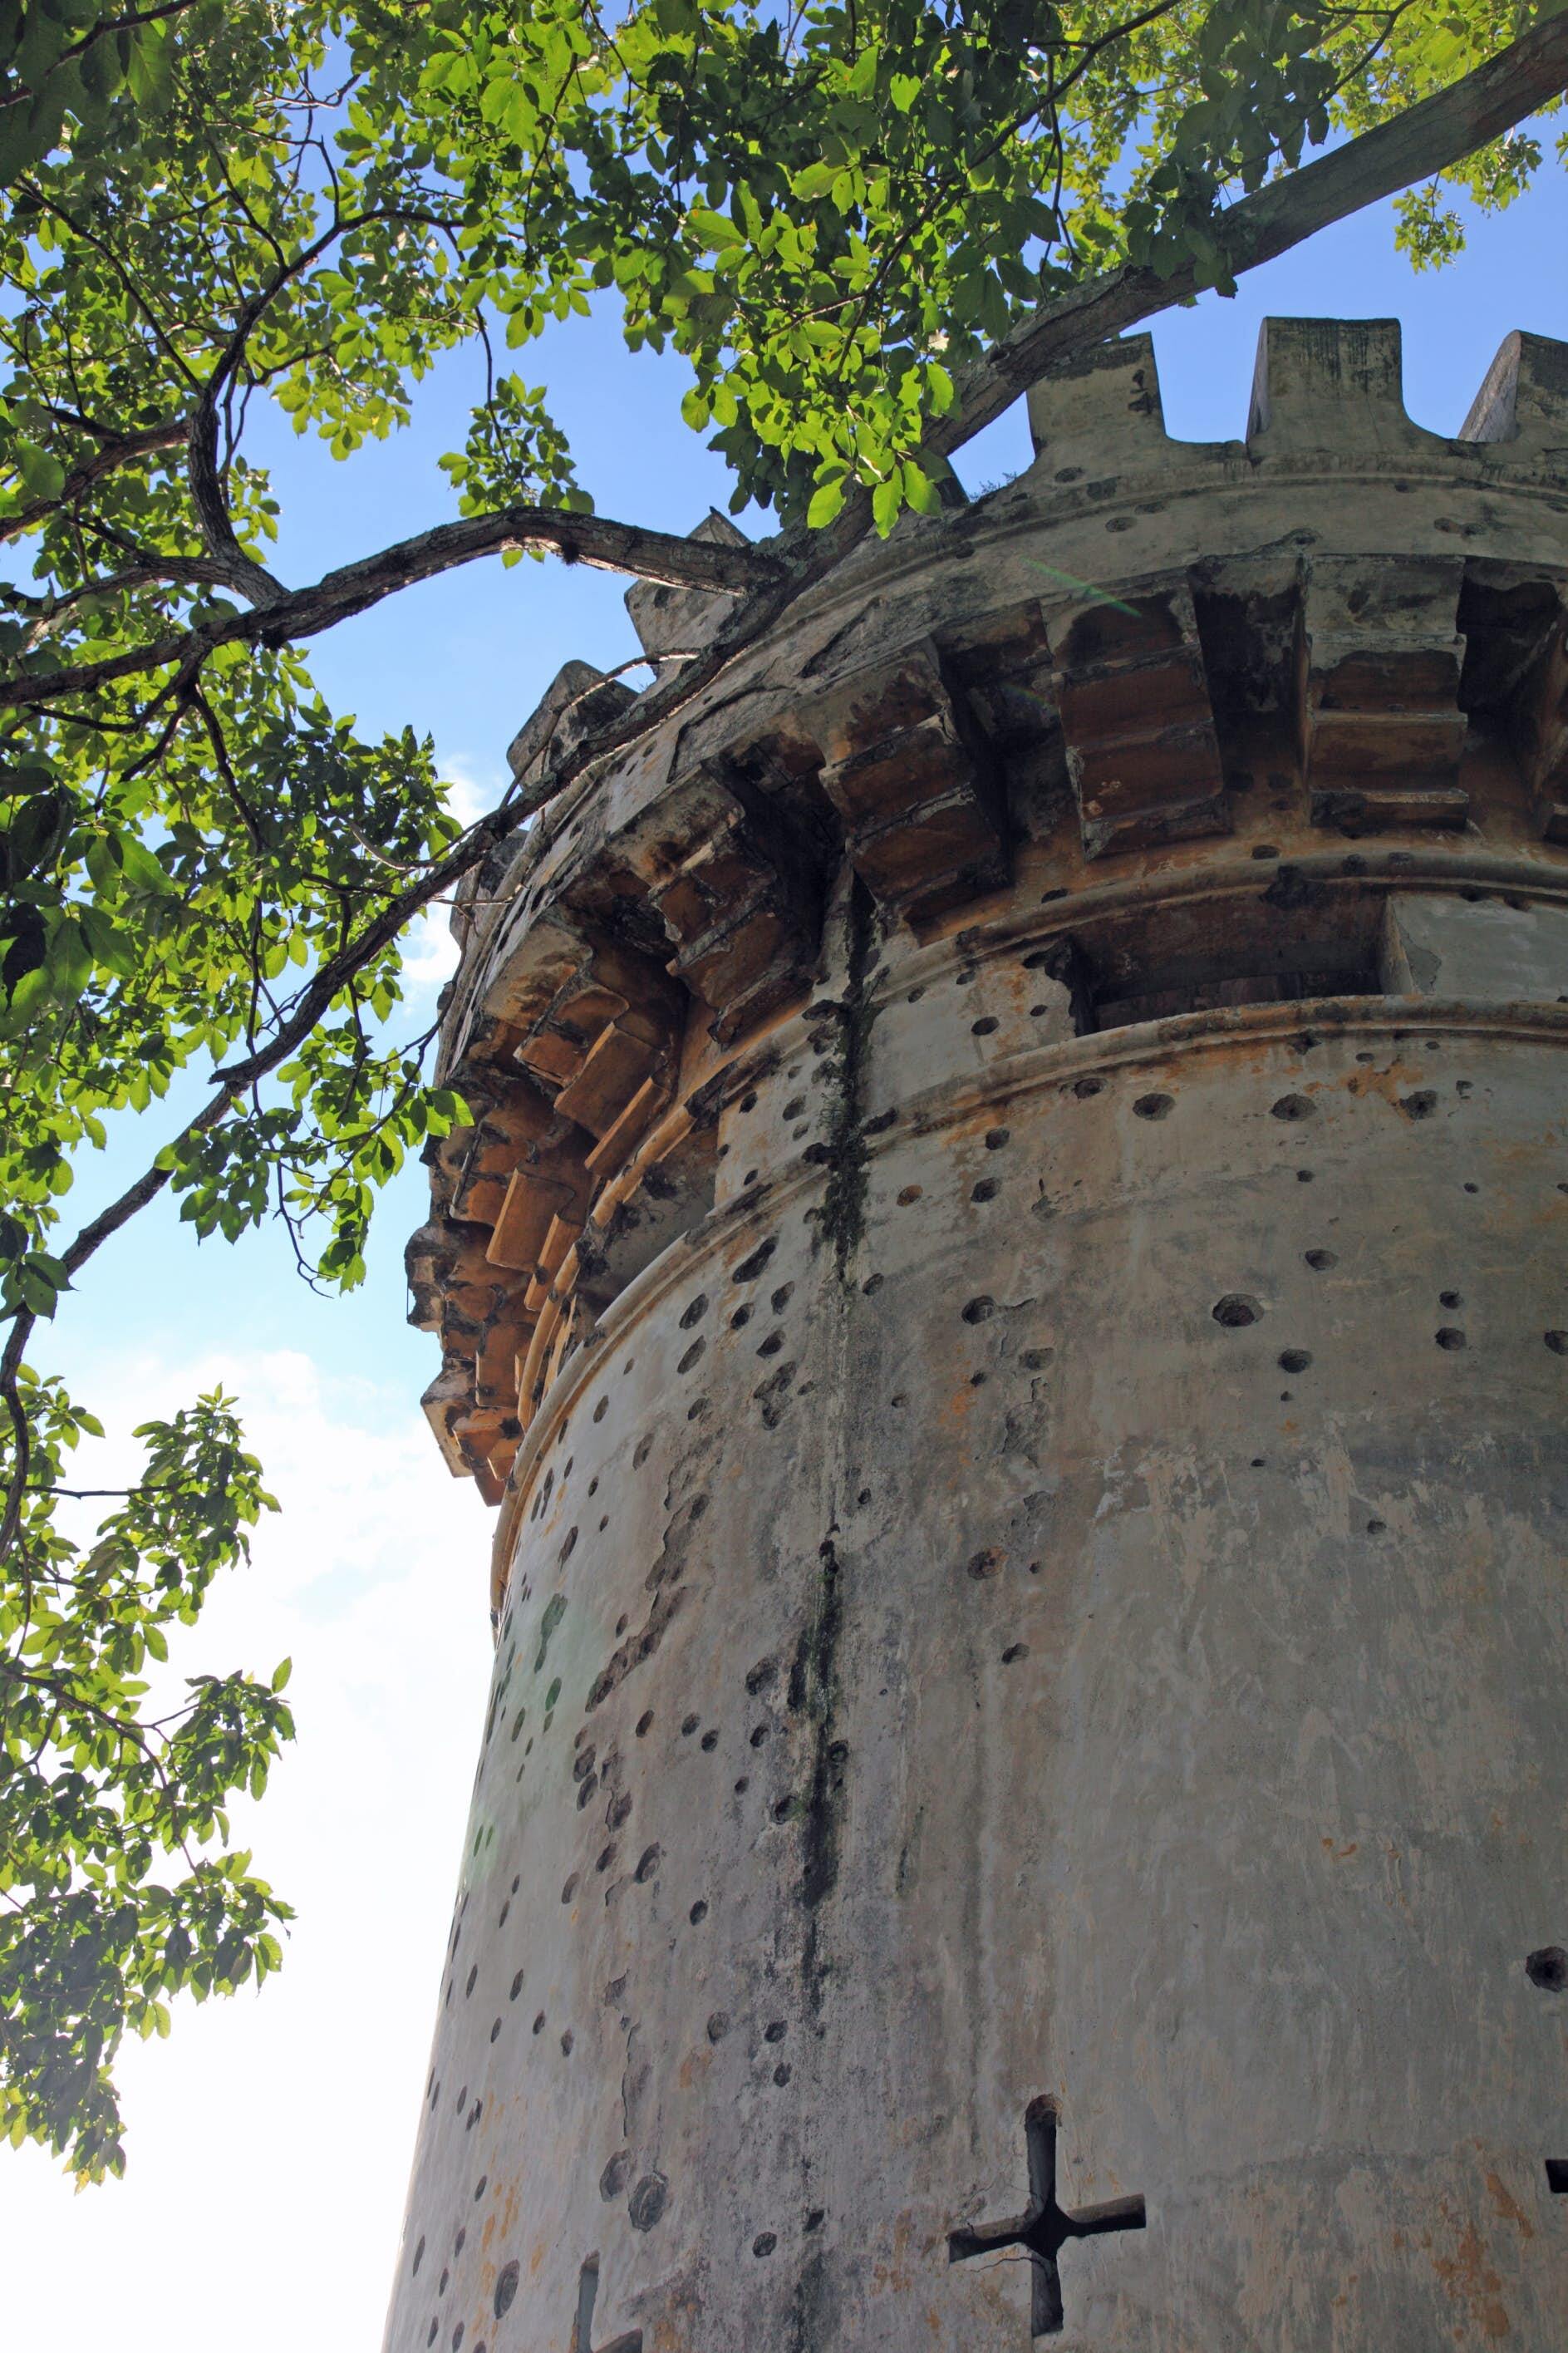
{"points": [[1174, 723]]}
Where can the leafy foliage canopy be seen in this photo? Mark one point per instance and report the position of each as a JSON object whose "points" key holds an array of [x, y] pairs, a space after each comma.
{"points": [[211, 208]]}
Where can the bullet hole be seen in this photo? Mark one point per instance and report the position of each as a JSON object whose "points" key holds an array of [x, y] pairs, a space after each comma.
{"points": [[987, 1027], [1320, 1260], [583, 1763], [516, 1987], [462, 2099], [1465, 1089], [1420, 1105], [1236, 1311], [815, 2217], [1292, 1107], [693, 1354], [783, 2073], [644, 1724], [1303, 1176], [441, 2283], [586, 1788], [708, 1742], [977, 1380], [776, 2031], [435, 2331], [604, 1860], [698, 1914], [1086, 1089], [1014, 1652], [748, 1100], [741, 1786], [996, 1138], [567, 2040], [647, 2201], [506, 2290], [782, 1808], [1034, 1360], [495, 2030], [570, 1890], [782, 1297], [1264, 849], [539, 2023], [750, 1268], [1450, 1337], [1257, 1462], [765, 2242], [473, 1979], [771, 1344], [761, 1676], [459, 2242], [986, 1190], [689, 1725], [1557, 1342], [1557, 2176], [794, 1107], [759, 1735], [986, 1562], [480, 2186], [1035, 1011], [740, 1318], [719, 2026], [1546, 1967], [644, 1449], [750, 1177], [695, 1313], [1450, 1299], [909, 1193], [458, 2336], [1295, 1360], [1154, 1106], [915, 997], [1377, 1527], [418, 2258], [980, 1310], [872, 1285]]}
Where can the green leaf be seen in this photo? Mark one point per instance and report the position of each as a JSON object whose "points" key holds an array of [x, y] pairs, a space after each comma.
{"points": [[826, 503]]}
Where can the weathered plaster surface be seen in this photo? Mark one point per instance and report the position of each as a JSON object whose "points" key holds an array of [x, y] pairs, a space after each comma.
{"points": [[1048, 1581]]}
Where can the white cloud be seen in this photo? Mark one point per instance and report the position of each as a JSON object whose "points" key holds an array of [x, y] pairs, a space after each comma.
{"points": [[269, 2139]]}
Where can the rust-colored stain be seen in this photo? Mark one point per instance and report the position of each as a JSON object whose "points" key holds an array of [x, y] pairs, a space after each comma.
{"points": [[1509, 2207], [1468, 2278], [1342, 1853], [693, 2067], [1388, 1084]]}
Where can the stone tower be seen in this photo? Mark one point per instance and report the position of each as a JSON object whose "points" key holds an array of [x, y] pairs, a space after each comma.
{"points": [[1010, 1287]]}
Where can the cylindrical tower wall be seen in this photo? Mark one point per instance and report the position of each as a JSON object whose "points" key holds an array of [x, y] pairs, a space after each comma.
{"points": [[1027, 1760]]}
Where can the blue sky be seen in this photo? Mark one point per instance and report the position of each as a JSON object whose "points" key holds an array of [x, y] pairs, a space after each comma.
{"points": [[375, 1577]]}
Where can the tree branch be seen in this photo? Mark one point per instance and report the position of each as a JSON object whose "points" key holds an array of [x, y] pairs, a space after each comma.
{"points": [[119, 449], [1428, 138], [712, 565]]}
